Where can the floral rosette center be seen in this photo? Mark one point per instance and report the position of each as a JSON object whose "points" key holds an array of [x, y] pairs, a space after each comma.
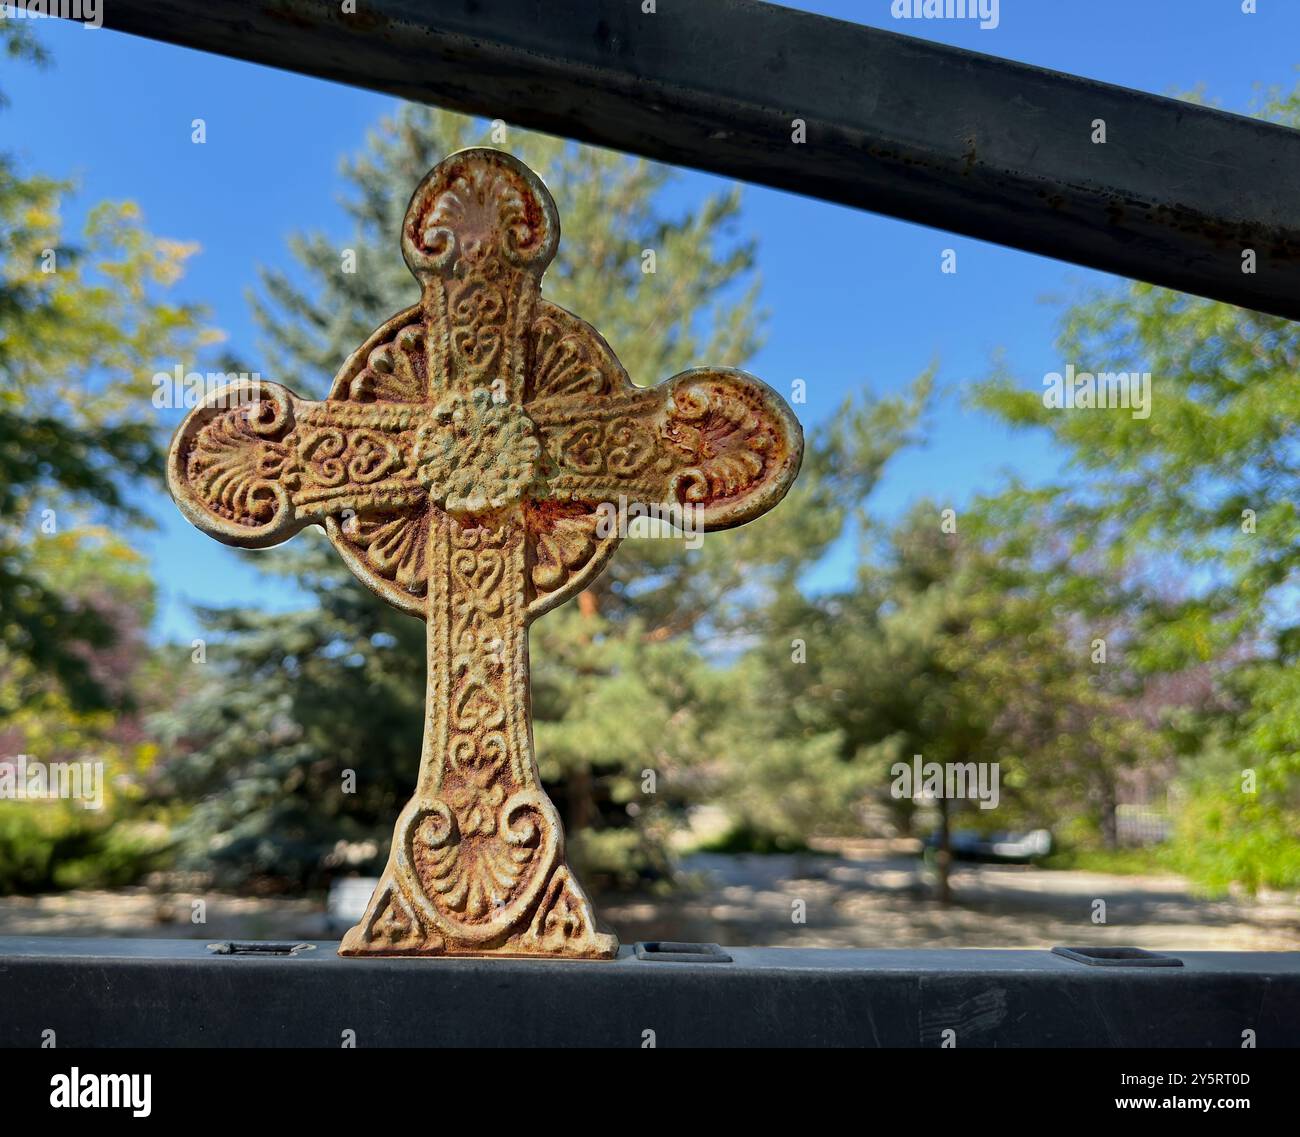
{"points": [[476, 454]]}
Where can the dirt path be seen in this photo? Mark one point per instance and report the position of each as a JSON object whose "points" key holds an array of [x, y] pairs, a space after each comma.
{"points": [[866, 897], [873, 899]]}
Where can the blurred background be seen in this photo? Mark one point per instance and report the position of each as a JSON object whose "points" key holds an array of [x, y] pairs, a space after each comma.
{"points": [[1097, 609]]}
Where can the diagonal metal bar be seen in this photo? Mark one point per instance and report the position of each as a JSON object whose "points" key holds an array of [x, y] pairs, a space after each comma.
{"points": [[966, 142]]}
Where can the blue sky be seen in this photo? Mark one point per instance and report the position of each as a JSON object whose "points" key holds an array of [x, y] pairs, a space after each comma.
{"points": [[855, 300]]}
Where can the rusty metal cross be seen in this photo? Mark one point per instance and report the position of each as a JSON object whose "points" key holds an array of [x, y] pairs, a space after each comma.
{"points": [[464, 466]]}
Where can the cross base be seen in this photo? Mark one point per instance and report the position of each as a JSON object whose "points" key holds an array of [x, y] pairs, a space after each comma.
{"points": [[561, 926]]}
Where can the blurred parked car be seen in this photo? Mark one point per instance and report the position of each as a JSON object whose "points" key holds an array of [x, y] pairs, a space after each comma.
{"points": [[1021, 848]]}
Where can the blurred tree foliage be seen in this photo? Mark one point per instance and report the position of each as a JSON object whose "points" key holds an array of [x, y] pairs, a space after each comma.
{"points": [[1194, 513], [956, 643], [82, 328], [66, 843]]}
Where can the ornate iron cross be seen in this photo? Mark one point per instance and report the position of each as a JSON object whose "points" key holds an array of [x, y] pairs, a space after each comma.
{"points": [[464, 466]]}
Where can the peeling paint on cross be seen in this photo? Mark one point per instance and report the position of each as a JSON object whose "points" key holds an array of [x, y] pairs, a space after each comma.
{"points": [[461, 466]]}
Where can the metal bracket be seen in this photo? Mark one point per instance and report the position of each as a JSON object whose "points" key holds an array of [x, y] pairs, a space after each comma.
{"points": [[233, 947], [1117, 957], [667, 951]]}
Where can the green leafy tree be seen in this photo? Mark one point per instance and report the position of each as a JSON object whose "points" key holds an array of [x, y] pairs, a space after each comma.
{"points": [[802, 701], [105, 837], [960, 646], [82, 328], [1204, 491]]}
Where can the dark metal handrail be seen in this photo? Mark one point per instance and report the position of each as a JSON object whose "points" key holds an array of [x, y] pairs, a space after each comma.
{"points": [[932, 134]]}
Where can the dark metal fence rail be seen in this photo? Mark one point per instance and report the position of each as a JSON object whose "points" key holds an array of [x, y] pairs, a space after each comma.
{"points": [[961, 141], [178, 993]]}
